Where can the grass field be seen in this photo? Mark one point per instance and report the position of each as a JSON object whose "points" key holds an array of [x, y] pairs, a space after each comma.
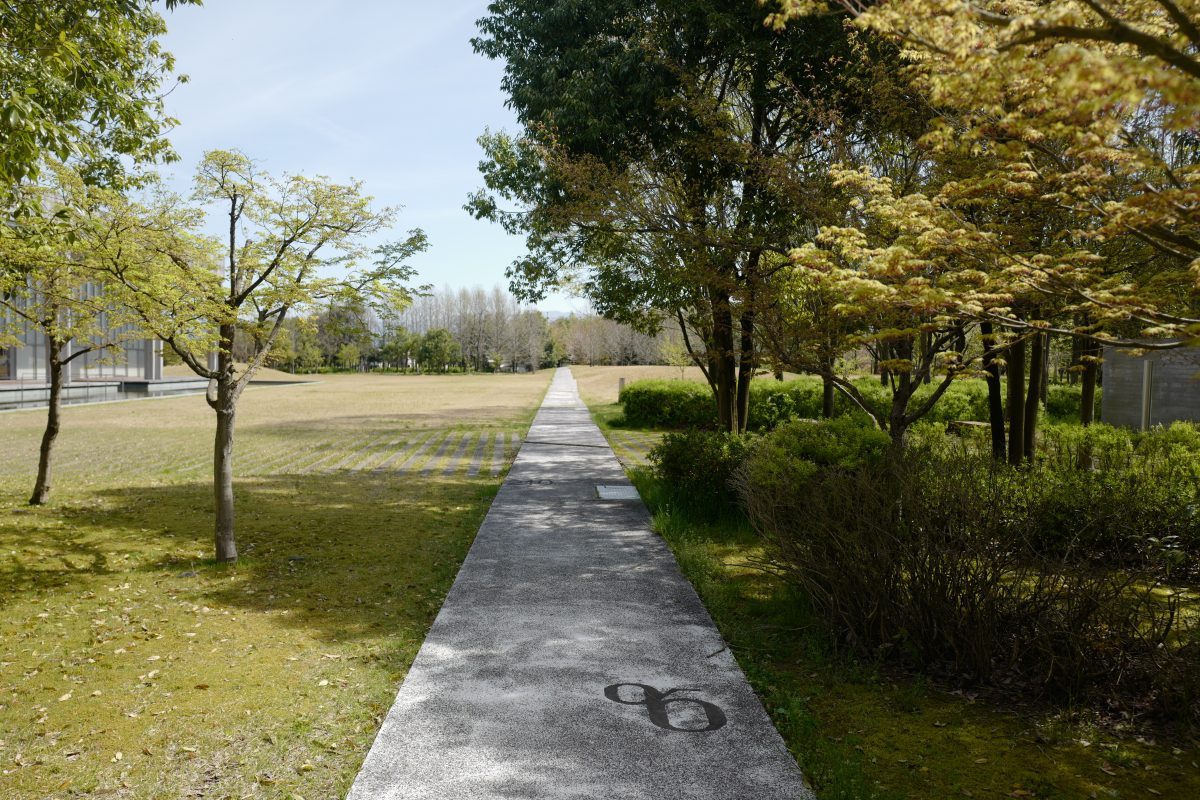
{"points": [[133, 666]]}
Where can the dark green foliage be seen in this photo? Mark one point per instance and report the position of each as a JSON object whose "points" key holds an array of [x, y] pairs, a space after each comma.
{"points": [[668, 404], [438, 351], [774, 408], [1116, 497], [682, 404], [942, 559], [695, 468], [787, 459]]}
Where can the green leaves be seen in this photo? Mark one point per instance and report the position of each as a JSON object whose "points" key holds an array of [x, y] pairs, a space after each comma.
{"points": [[82, 83]]}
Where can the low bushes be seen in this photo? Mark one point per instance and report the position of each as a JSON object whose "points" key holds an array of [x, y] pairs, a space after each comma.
{"points": [[940, 558], [695, 470], [1057, 576], [689, 404], [668, 404]]}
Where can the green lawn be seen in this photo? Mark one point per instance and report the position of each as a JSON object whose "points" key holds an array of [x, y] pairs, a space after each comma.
{"points": [[133, 666]]}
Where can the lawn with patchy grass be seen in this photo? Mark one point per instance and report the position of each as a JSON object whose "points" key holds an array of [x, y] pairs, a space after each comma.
{"points": [[131, 665]]}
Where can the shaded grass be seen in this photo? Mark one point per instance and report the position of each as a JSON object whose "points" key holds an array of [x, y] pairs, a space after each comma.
{"points": [[860, 732], [131, 665]]}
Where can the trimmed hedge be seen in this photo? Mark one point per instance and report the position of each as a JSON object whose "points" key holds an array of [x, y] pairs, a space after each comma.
{"points": [[689, 404], [668, 404]]}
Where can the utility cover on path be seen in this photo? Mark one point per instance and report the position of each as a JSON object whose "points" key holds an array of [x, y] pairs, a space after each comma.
{"points": [[571, 658]]}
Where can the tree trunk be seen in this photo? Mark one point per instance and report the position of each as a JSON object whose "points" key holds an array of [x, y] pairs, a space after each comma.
{"points": [[1044, 382], [995, 400], [1091, 371], [226, 547], [1037, 355], [41, 487], [1015, 359], [897, 423], [1076, 360], [884, 355], [826, 396], [224, 404], [725, 375], [745, 370], [926, 346], [901, 394]]}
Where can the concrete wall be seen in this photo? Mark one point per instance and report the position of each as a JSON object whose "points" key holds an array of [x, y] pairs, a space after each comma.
{"points": [[1174, 386]]}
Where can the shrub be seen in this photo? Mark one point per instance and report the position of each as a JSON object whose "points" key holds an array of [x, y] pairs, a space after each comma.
{"points": [[938, 557], [1117, 497], [668, 404], [690, 404], [695, 468], [771, 409], [1063, 402]]}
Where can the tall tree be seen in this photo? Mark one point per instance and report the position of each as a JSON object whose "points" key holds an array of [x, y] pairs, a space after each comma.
{"points": [[50, 287], [292, 242], [658, 158], [438, 350]]}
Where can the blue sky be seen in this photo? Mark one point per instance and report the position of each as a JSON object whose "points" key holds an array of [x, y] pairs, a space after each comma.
{"points": [[388, 92]]}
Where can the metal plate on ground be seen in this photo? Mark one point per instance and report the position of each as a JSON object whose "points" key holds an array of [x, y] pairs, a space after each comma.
{"points": [[616, 492]]}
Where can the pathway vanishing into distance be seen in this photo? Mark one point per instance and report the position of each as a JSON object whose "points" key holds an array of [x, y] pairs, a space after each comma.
{"points": [[571, 658]]}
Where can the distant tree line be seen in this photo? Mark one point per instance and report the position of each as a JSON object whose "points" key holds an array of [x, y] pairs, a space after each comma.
{"points": [[454, 330]]}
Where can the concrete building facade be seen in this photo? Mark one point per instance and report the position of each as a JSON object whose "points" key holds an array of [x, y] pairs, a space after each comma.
{"points": [[1156, 388]]}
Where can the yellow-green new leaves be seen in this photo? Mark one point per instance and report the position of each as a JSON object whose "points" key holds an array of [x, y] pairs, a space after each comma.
{"points": [[291, 241], [51, 274], [1072, 128], [905, 256]]}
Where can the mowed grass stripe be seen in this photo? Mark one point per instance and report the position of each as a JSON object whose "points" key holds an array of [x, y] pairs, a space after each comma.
{"points": [[456, 461], [432, 463], [501, 452], [356, 455], [325, 450], [374, 454], [403, 452], [417, 456], [477, 458], [337, 447], [268, 460], [298, 458]]}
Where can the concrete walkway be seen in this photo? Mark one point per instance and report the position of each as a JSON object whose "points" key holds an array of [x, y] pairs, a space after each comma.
{"points": [[571, 658]]}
